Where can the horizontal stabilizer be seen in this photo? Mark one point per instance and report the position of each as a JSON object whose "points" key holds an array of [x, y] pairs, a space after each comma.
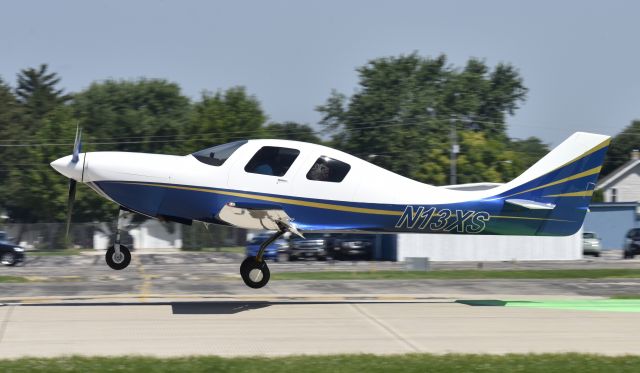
{"points": [[531, 205]]}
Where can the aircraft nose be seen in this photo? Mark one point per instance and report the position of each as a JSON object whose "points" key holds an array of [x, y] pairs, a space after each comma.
{"points": [[72, 170]]}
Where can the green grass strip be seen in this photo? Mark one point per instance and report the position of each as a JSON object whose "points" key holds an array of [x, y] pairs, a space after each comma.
{"points": [[461, 274], [610, 305], [607, 305], [625, 296], [13, 279], [522, 363]]}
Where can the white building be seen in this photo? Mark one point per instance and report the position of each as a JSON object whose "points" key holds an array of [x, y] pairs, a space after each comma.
{"points": [[152, 234], [458, 247], [623, 184]]}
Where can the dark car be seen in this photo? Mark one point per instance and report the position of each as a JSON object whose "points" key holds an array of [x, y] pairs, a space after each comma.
{"points": [[276, 250], [10, 254], [353, 246], [312, 246], [632, 243]]}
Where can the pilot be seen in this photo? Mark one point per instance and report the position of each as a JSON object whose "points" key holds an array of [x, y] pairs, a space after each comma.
{"points": [[264, 168], [265, 165], [319, 171]]}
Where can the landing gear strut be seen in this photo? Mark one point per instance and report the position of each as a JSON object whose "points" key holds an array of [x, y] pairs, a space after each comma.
{"points": [[254, 270], [118, 256]]}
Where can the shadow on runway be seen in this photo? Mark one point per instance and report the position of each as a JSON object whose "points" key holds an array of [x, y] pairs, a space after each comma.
{"points": [[219, 307]]}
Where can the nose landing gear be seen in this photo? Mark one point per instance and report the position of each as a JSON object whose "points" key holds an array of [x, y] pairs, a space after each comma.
{"points": [[118, 256], [118, 259], [254, 270]]}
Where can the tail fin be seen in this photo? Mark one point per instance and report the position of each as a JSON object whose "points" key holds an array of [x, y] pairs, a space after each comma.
{"points": [[561, 184]]}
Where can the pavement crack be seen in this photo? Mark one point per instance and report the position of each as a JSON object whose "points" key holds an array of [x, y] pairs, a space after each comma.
{"points": [[5, 322], [386, 327]]}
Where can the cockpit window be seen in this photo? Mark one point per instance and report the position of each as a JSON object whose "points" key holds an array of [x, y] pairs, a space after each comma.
{"points": [[216, 155], [328, 169], [272, 160]]}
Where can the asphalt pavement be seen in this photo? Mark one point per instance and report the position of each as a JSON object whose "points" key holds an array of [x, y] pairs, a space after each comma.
{"points": [[195, 303]]}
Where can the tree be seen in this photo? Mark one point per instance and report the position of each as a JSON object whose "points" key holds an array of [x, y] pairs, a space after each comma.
{"points": [[37, 91], [527, 151], [33, 191], [225, 116], [292, 131], [404, 110], [621, 147], [146, 115]]}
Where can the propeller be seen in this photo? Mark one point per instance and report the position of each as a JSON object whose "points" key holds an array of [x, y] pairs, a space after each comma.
{"points": [[77, 149]]}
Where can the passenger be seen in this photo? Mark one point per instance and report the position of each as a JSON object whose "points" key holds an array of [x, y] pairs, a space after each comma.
{"points": [[319, 171]]}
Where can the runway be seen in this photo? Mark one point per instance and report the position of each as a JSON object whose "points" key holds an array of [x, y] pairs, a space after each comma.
{"points": [[307, 325], [177, 305]]}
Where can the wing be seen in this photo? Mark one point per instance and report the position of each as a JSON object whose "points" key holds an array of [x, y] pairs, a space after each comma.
{"points": [[257, 216]]}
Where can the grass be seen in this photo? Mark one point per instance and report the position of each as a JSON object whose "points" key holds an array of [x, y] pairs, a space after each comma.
{"points": [[13, 279], [625, 296], [522, 363], [462, 274]]}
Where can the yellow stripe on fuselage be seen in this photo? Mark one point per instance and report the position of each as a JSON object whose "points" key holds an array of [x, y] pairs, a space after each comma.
{"points": [[586, 193], [586, 173], [289, 201]]}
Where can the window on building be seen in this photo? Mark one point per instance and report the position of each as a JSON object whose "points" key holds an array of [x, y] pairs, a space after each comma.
{"points": [[328, 169], [614, 195], [217, 155], [272, 160]]}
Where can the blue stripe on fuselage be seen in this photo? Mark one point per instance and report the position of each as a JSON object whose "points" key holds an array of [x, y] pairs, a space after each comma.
{"points": [[203, 204]]}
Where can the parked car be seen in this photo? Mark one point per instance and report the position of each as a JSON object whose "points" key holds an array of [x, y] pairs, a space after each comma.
{"points": [[591, 244], [353, 246], [312, 246], [275, 251], [632, 243], [10, 254]]}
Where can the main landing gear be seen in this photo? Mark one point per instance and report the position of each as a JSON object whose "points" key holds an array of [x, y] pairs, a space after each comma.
{"points": [[254, 270], [118, 256]]}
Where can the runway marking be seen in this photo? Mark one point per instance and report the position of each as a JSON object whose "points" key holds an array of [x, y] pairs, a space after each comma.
{"points": [[146, 280], [386, 327], [5, 322]]}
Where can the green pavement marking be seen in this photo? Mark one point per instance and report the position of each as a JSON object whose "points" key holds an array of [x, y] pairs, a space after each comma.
{"points": [[606, 305]]}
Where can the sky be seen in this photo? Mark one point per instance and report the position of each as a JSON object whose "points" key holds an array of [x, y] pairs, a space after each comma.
{"points": [[579, 59]]}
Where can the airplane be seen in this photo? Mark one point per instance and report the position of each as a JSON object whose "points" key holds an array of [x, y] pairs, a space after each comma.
{"points": [[291, 186]]}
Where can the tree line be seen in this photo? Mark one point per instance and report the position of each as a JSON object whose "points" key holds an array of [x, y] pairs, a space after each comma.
{"points": [[401, 118]]}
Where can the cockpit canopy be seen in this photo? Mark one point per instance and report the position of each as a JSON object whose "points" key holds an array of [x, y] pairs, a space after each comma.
{"points": [[217, 155]]}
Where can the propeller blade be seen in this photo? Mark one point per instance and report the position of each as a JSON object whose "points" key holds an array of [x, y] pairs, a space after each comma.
{"points": [[70, 200], [77, 145]]}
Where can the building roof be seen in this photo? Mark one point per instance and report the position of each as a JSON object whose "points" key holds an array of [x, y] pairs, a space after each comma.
{"points": [[617, 173]]}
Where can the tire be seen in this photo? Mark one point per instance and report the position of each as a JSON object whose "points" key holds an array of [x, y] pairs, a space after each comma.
{"points": [[293, 258], [9, 259], [251, 278], [118, 263]]}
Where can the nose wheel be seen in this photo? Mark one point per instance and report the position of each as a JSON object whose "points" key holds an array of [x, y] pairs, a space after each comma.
{"points": [[118, 256], [255, 274], [118, 259]]}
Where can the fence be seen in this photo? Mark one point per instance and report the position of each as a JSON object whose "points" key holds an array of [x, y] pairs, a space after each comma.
{"points": [[147, 234]]}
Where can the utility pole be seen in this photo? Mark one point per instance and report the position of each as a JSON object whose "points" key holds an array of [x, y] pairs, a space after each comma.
{"points": [[455, 149]]}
